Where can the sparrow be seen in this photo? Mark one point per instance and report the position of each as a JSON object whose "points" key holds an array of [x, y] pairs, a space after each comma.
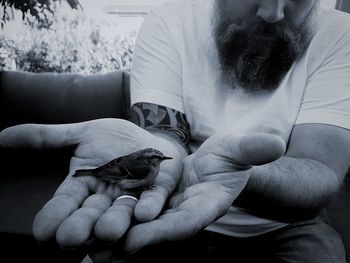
{"points": [[130, 172]]}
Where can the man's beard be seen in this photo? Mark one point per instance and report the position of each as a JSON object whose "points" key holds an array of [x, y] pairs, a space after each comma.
{"points": [[257, 57]]}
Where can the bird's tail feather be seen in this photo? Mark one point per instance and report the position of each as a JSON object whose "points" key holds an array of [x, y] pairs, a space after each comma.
{"points": [[83, 172]]}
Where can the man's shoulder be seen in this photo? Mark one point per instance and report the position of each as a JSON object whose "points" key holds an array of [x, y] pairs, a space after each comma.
{"points": [[331, 19], [330, 45], [332, 38]]}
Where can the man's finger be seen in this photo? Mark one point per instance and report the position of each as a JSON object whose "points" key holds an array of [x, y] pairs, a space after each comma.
{"points": [[172, 226], [40, 136], [152, 201], [77, 228], [112, 225], [150, 204], [66, 200], [201, 205]]}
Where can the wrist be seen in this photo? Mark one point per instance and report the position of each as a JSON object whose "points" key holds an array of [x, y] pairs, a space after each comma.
{"points": [[173, 139]]}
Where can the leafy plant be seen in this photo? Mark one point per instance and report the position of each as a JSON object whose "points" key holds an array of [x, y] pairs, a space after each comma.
{"points": [[70, 42], [36, 8]]}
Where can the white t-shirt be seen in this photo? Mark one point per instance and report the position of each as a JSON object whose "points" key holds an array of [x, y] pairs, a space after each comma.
{"points": [[175, 65]]}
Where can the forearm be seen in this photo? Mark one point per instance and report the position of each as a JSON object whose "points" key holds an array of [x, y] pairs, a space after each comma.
{"points": [[163, 122], [288, 189]]}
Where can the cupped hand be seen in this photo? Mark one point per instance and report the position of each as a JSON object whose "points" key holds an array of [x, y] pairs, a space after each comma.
{"points": [[212, 179], [84, 206]]}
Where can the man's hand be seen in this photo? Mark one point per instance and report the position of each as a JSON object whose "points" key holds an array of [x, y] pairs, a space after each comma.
{"points": [[83, 206], [213, 177]]}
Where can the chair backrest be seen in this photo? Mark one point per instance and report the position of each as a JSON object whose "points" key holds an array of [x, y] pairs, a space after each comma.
{"points": [[343, 5], [61, 98]]}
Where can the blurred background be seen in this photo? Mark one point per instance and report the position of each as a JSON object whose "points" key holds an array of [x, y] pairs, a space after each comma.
{"points": [[75, 36]]}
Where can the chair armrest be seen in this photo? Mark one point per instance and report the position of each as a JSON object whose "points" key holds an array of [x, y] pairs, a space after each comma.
{"points": [[60, 97]]}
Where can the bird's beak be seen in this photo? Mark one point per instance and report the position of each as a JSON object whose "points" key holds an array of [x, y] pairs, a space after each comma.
{"points": [[166, 158]]}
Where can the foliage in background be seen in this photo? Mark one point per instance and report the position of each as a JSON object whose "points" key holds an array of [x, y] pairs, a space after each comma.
{"points": [[64, 42], [36, 8]]}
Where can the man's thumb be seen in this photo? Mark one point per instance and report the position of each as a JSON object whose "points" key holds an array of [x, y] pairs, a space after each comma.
{"points": [[40, 136], [259, 148], [224, 153]]}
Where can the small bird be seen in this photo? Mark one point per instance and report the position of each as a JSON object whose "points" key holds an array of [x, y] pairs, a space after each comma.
{"points": [[135, 171]]}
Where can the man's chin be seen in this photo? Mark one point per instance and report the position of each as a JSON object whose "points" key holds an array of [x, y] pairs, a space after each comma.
{"points": [[253, 81], [254, 88]]}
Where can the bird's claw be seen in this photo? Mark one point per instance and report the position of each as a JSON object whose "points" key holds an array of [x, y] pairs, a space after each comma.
{"points": [[149, 187]]}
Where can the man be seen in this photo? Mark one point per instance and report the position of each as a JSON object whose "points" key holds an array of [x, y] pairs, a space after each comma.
{"points": [[247, 66], [205, 73]]}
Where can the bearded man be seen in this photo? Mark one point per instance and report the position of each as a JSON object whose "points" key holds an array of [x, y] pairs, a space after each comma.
{"points": [[251, 99], [274, 66]]}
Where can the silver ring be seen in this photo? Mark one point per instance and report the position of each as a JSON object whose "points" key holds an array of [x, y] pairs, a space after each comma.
{"points": [[127, 196]]}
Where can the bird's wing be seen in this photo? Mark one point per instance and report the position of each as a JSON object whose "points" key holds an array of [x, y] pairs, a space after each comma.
{"points": [[139, 171], [107, 168], [83, 172], [113, 174], [107, 165]]}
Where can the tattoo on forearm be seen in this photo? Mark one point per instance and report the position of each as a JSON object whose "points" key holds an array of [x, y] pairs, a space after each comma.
{"points": [[151, 116]]}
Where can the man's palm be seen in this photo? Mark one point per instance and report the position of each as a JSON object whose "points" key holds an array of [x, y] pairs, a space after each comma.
{"points": [[213, 177], [85, 205]]}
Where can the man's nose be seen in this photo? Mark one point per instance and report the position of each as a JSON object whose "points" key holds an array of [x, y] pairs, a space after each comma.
{"points": [[271, 11]]}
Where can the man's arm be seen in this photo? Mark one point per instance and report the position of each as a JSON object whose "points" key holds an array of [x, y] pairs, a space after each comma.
{"points": [[300, 183], [162, 121]]}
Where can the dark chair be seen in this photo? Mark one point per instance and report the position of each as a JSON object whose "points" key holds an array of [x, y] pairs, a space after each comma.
{"points": [[29, 178]]}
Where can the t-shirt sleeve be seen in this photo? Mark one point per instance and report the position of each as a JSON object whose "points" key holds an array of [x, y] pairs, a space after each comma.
{"points": [[326, 98], [156, 68]]}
